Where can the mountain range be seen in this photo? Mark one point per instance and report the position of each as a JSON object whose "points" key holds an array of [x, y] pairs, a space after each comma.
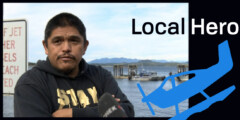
{"points": [[127, 60]]}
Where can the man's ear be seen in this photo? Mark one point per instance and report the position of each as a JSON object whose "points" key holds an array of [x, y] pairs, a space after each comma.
{"points": [[45, 47], [86, 43]]}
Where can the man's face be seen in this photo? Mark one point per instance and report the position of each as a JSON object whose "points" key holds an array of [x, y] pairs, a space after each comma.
{"points": [[65, 49]]}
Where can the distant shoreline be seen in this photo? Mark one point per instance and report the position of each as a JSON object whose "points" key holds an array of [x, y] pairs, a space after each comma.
{"points": [[140, 64], [137, 63]]}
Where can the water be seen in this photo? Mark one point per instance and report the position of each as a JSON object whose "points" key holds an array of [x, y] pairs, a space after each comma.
{"points": [[141, 109], [133, 94]]}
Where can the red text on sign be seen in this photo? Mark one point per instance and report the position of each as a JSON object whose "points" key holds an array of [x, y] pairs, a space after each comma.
{"points": [[11, 69], [8, 44], [7, 82], [16, 31], [9, 57]]}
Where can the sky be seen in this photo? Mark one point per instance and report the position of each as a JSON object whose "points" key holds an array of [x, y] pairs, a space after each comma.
{"points": [[109, 28]]}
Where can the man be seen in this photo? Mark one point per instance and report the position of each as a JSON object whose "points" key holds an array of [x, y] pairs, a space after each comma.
{"points": [[65, 85]]}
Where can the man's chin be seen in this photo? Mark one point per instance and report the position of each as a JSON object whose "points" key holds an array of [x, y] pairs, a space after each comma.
{"points": [[67, 70]]}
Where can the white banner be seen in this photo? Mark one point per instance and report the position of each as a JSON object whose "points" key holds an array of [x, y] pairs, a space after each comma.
{"points": [[14, 52]]}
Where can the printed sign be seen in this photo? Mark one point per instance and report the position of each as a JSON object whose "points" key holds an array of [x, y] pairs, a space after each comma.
{"points": [[14, 52]]}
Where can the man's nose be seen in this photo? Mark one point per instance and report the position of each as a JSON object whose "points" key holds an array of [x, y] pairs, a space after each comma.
{"points": [[66, 47]]}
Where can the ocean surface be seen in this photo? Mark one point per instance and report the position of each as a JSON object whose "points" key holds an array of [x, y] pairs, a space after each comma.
{"points": [[132, 92]]}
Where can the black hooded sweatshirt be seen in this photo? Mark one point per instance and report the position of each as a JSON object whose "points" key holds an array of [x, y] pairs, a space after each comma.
{"points": [[43, 90]]}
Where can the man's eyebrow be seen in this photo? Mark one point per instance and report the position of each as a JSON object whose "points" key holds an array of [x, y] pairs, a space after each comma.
{"points": [[57, 37], [70, 37], [75, 37]]}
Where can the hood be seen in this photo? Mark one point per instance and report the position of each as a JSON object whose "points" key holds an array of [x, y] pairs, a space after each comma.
{"points": [[46, 66]]}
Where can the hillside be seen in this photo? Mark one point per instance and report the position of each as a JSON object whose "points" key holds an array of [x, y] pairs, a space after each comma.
{"points": [[126, 61]]}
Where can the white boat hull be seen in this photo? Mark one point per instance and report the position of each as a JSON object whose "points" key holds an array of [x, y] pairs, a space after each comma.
{"points": [[138, 78]]}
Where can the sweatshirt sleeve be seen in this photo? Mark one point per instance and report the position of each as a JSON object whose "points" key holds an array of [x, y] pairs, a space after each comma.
{"points": [[111, 86], [30, 101], [86, 112]]}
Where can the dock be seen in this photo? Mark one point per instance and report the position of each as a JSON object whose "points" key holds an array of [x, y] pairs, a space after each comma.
{"points": [[182, 68], [133, 73]]}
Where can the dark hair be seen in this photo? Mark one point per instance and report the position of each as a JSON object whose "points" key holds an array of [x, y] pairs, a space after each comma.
{"points": [[62, 20]]}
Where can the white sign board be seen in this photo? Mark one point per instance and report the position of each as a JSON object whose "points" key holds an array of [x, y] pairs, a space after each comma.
{"points": [[14, 53]]}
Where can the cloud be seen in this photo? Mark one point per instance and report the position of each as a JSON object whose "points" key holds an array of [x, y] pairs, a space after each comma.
{"points": [[109, 28]]}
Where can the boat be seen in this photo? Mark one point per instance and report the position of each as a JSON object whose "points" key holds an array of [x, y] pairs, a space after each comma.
{"points": [[146, 76]]}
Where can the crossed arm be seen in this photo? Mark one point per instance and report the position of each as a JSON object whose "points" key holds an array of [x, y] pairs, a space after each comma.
{"points": [[67, 112]]}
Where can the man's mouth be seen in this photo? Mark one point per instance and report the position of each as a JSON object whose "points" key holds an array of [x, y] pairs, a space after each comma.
{"points": [[66, 58]]}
